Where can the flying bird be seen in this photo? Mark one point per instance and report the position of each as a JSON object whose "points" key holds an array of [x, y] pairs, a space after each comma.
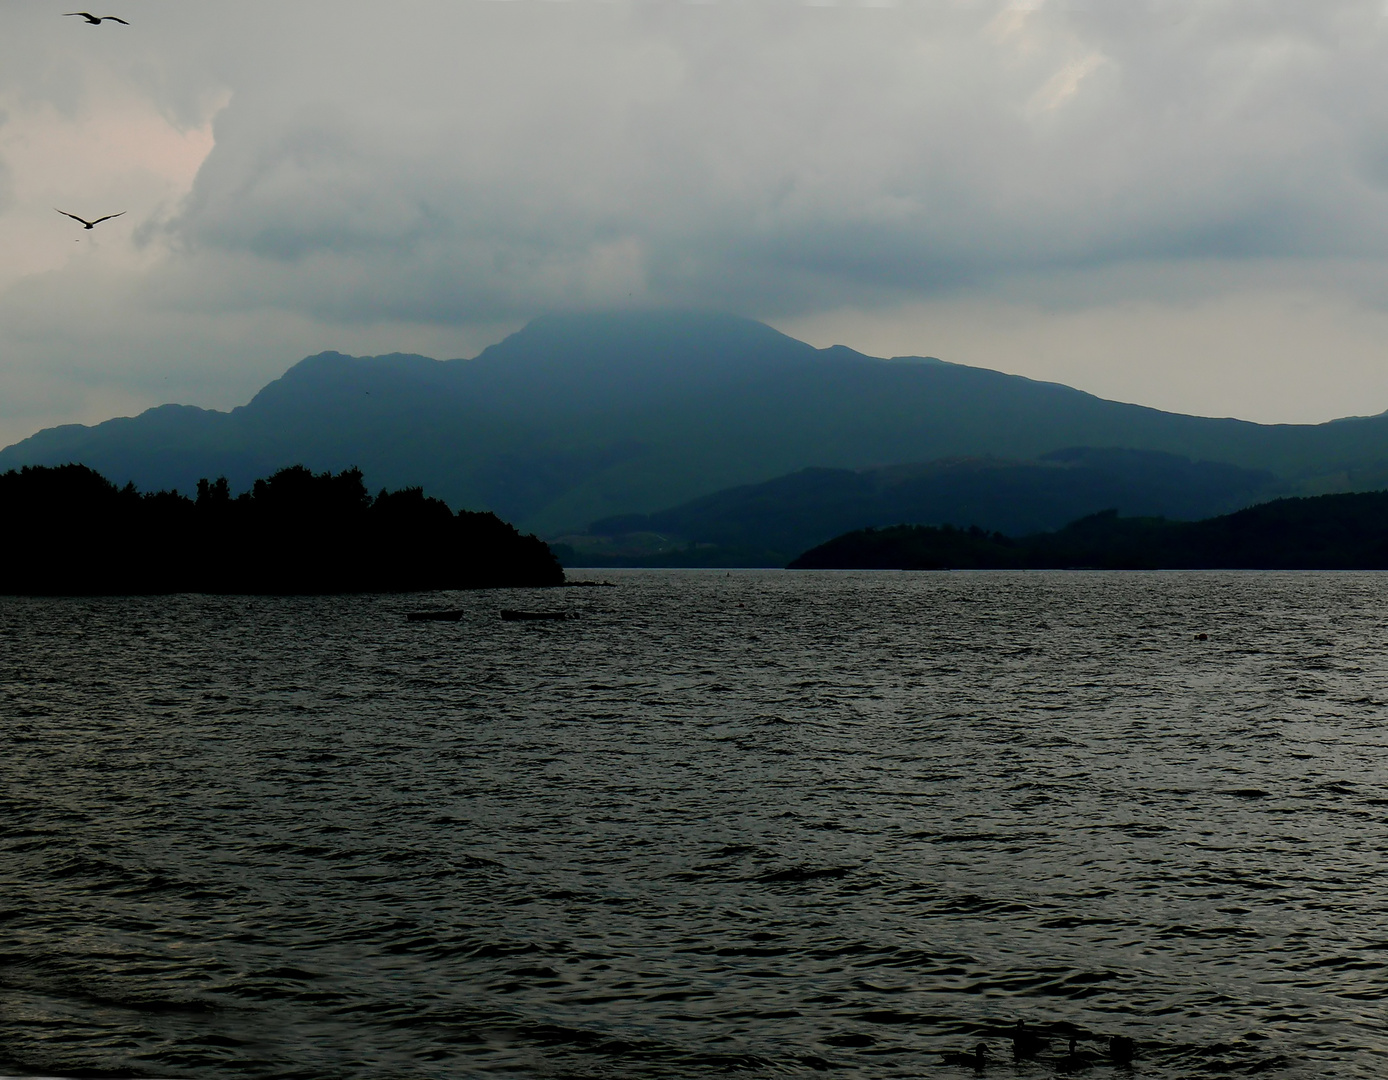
{"points": [[95, 20], [89, 224]]}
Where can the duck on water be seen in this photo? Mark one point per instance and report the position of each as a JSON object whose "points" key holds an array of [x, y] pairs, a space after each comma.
{"points": [[1075, 1060], [1027, 1043], [977, 1060]]}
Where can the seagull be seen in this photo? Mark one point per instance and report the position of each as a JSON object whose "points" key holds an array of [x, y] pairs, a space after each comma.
{"points": [[95, 20], [89, 224]]}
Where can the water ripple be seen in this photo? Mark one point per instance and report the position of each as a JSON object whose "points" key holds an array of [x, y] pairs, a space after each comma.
{"points": [[767, 823]]}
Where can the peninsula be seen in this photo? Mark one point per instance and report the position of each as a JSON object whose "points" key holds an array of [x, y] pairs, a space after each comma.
{"points": [[70, 531]]}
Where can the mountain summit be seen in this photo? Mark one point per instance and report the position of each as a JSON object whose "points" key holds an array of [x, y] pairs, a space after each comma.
{"points": [[579, 417]]}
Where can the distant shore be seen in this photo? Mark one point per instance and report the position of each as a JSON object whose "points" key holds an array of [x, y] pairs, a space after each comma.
{"points": [[1326, 532]]}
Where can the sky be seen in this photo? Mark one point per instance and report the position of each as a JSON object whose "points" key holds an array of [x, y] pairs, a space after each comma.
{"points": [[1181, 203]]}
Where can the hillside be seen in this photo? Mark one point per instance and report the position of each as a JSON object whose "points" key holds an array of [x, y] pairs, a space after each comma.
{"points": [[770, 523], [1326, 532], [577, 418]]}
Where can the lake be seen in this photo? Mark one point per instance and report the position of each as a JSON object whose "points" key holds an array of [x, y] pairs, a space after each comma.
{"points": [[772, 823]]}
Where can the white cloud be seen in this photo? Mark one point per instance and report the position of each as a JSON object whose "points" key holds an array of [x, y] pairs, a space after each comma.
{"points": [[1064, 84]]}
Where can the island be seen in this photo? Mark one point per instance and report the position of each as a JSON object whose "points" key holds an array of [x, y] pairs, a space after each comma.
{"points": [[1323, 532], [67, 530]]}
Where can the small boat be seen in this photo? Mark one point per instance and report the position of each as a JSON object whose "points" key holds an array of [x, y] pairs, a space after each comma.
{"points": [[434, 616], [517, 616]]}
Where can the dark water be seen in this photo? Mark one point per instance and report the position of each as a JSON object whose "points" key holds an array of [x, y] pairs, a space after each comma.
{"points": [[767, 823]]}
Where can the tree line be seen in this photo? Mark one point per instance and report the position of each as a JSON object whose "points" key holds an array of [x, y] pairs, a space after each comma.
{"points": [[68, 530]]}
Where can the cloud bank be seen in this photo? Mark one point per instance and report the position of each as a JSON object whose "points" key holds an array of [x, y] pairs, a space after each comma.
{"points": [[1108, 192]]}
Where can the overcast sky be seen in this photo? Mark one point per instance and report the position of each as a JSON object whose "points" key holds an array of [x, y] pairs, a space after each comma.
{"points": [[1175, 202]]}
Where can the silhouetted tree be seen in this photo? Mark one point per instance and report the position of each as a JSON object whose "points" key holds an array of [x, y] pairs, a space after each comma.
{"points": [[69, 530]]}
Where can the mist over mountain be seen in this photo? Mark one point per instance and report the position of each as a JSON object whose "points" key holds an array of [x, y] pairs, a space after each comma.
{"points": [[580, 417]]}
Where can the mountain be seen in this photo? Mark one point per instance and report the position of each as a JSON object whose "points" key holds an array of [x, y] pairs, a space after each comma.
{"points": [[768, 524], [1324, 532], [580, 417]]}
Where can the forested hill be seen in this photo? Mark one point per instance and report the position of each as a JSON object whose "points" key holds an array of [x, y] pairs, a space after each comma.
{"points": [[1329, 532], [68, 530], [769, 524], [577, 418]]}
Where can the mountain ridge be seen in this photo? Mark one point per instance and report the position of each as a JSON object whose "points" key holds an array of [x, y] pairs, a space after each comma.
{"points": [[579, 417], [772, 522]]}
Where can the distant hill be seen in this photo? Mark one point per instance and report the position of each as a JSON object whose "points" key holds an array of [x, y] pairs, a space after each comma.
{"points": [[1326, 532], [768, 524], [580, 417]]}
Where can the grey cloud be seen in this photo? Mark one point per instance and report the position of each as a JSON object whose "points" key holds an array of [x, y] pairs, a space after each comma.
{"points": [[6, 177], [447, 163], [499, 159]]}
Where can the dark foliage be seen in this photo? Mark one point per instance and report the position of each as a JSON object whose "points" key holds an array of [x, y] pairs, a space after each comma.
{"points": [[1326, 532], [68, 530]]}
